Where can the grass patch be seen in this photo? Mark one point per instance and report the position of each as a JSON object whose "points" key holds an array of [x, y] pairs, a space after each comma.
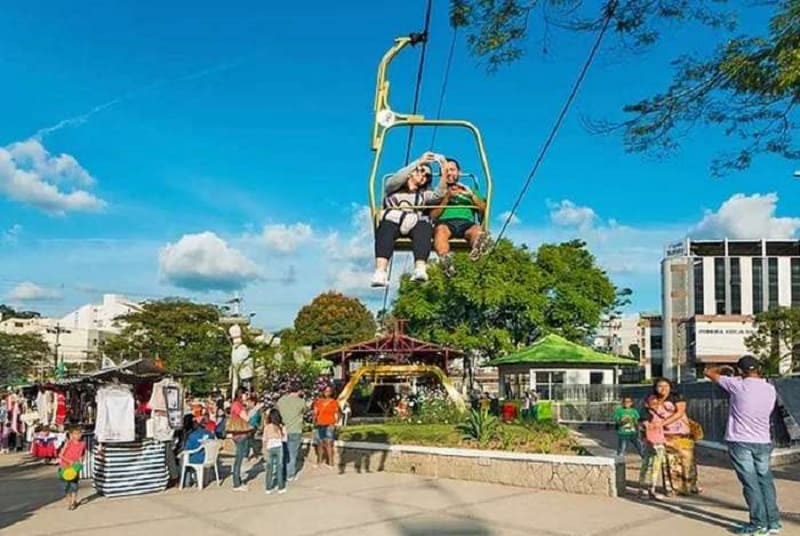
{"points": [[537, 438]]}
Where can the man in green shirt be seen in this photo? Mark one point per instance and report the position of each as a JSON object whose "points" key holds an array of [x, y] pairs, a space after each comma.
{"points": [[626, 418], [292, 407], [458, 218]]}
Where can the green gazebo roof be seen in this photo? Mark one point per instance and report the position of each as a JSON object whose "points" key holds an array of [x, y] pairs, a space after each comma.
{"points": [[555, 350]]}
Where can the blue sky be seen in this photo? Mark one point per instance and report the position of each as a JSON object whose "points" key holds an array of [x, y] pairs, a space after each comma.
{"points": [[229, 148]]}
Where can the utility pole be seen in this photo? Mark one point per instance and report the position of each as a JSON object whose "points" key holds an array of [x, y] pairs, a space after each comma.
{"points": [[58, 330]]}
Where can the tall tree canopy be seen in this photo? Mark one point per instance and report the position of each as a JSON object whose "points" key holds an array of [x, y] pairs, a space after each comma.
{"points": [[332, 320], [777, 339], [509, 298], [20, 355], [747, 87], [187, 336]]}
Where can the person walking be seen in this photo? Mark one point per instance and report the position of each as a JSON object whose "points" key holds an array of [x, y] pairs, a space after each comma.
{"points": [[292, 407]]}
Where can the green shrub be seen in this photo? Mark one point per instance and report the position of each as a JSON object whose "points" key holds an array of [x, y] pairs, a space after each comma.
{"points": [[480, 426]]}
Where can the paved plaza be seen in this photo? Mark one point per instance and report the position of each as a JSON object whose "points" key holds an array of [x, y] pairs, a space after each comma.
{"points": [[327, 502]]}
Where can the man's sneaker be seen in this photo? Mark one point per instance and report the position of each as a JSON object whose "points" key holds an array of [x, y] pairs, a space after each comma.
{"points": [[240, 488], [480, 246], [447, 265], [775, 530], [380, 279], [750, 530], [420, 273]]}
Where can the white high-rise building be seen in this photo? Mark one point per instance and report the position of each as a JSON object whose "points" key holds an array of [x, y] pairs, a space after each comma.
{"points": [[711, 291]]}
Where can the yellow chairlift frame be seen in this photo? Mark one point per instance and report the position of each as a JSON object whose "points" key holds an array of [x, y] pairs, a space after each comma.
{"points": [[387, 119]]}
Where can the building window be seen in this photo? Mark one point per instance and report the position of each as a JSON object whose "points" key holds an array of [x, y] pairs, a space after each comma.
{"points": [[698, 288], [772, 274], [549, 384], [596, 378], [795, 283], [656, 342], [719, 285], [736, 287], [758, 285]]}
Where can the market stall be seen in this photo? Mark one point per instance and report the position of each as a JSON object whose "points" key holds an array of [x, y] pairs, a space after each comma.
{"points": [[139, 408]]}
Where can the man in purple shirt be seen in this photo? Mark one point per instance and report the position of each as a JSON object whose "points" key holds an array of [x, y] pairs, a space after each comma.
{"points": [[752, 400]]}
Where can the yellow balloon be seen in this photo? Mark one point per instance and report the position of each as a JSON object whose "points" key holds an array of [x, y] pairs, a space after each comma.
{"points": [[69, 474]]}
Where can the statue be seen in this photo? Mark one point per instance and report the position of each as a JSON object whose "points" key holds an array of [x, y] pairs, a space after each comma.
{"points": [[241, 364]]}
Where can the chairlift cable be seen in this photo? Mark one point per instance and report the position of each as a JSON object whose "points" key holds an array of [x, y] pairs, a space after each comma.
{"points": [[609, 13], [446, 78]]}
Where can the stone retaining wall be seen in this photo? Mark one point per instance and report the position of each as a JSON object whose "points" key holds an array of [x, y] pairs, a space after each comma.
{"points": [[589, 475]]}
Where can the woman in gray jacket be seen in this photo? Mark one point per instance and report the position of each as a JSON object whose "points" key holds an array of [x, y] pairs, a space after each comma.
{"points": [[406, 191]]}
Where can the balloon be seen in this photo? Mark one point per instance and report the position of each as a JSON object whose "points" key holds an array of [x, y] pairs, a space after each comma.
{"points": [[69, 474]]}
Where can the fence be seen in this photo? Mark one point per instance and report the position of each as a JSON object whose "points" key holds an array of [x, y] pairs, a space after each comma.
{"points": [[707, 404]]}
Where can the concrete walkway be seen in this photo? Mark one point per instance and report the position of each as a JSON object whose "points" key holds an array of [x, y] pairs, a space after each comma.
{"points": [[326, 502]]}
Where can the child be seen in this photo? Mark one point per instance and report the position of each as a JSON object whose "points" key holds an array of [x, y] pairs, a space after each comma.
{"points": [[654, 450], [274, 437], [626, 418], [70, 457]]}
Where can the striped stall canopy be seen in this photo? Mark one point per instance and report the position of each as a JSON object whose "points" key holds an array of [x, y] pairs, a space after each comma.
{"points": [[133, 468], [87, 471]]}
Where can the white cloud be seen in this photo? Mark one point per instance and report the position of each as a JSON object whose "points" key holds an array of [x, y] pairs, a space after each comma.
{"points": [[204, 261], [746, 217], [283, 238], [504, 216], [30, 174], [568, 214], [11, 235], [31, 292], [357, 245]]}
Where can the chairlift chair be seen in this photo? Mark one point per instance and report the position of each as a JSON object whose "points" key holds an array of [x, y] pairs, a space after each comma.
{"points": [[387, 119]]}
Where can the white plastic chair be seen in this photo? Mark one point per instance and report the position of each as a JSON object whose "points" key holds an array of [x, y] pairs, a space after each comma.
{"points": [[212, 448]]}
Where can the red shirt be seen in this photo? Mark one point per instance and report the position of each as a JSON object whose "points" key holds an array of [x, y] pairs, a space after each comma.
{"points": [[71, 453]]}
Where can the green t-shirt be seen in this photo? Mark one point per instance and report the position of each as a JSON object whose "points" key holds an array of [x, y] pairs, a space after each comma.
{"points": [[292, 408], [459, 208], [627, 420]]}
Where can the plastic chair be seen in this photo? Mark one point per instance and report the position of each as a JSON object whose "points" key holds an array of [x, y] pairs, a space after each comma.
{"points": [[212, 448]]}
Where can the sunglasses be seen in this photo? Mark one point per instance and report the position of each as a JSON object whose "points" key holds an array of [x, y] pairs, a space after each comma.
{"points": [[424, 171]]}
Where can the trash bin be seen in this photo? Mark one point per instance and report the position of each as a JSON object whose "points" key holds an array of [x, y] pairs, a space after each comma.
{"points": [[509, 412]]}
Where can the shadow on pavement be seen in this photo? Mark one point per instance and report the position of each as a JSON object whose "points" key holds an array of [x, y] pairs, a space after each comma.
{"points": [[362, 461], [27, 487]]}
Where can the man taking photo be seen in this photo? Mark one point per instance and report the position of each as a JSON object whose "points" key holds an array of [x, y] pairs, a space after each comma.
{"points": [[752, 400]]}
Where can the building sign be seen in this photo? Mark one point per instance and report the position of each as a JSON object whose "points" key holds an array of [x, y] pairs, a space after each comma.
{"points": [[719, 339], [677, 249]]}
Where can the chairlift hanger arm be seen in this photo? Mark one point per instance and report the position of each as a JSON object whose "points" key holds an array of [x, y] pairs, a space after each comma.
{"points": [[382, 85]]}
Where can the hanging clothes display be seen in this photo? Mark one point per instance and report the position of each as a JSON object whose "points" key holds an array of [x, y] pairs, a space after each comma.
{"points": [[167, 400], [61, 409], [115, 410]]}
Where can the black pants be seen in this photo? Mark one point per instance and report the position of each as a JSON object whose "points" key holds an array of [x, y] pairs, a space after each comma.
{"points": [[421, 237]]}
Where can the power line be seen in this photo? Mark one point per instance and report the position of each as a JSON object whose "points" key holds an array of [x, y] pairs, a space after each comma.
{"points": [[609, 13], [415, 107]]}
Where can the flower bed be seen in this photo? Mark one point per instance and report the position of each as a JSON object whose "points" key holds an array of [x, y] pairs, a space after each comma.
{"points": [[538, 438]]}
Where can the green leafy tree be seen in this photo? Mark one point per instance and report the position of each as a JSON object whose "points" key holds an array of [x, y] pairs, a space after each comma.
{"points": [[777, 338], [187, 336], [746, 88], [509, 298], [578, 291], [332, 320], [490, 305], [21, 355]]}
